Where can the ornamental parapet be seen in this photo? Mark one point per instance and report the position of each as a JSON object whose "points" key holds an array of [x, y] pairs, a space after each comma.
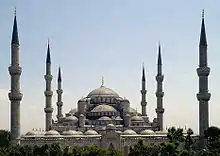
{"points": [[159, 94], [15, 96], [159, 110], [48, 77], [203, 96], [48, 93], [48, 110], [60, 103], [15, 70], [159, 78], [203, 71]]}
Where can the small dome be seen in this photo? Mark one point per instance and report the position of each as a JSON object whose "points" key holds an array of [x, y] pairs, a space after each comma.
{"points": [[104, 108], [31, 133], [52, 132], [129, 132], [110, 127], [71, 118], [102, 92], [105, 118], [137, 118], [147, 132], [80, 133], [70, 132], [91, 132], [73, 111], [118, 118]]}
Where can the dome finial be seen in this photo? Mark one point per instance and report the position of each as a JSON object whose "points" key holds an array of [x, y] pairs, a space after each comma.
{"points": [[102, 84], [15, 11], [203, 13]]}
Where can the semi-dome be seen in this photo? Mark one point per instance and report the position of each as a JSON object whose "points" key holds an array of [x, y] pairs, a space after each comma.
{"points": [[129, 132], [104, 108], [137, 118], [70, 132], [102, 92], [110, 127], [105, 118], [31, 133], [71, 118], [147, 132], [52, 132], [91, 132]]}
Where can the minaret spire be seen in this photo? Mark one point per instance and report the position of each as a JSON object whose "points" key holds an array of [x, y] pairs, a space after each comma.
{"points": [[15, 39], [59, 95], [15, 96], [203, 72], [48, 92], [143, 93], [203, 40], [159, 92]]}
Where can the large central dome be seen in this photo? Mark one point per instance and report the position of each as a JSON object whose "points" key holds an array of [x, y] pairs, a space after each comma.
{"points": [[102, 92]]}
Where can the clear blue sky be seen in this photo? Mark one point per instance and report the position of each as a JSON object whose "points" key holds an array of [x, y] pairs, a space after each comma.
{"points": [[94, 38]]}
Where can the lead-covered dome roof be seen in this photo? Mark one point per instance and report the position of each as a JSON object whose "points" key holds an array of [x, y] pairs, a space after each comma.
{"points": [[104, 108], [102, 92]]}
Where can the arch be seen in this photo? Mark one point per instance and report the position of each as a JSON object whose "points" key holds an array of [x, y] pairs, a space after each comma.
{"points": [[111, 146]]}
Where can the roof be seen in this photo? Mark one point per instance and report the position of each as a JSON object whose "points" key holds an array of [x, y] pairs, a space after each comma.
{"points": [[52, 132], [102, 91], [91, 132], [137, 118], [147, 132], [105, 118], [104, 108], [129, 132]]}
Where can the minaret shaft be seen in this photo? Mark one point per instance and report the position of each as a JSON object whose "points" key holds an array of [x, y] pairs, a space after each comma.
{"points": [[15, 96], [159, 92], [143, 94], [48, 93], [59, 96], [203, 72]]}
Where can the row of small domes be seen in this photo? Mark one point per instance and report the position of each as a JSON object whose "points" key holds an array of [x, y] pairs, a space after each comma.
{"points": [[90, 132]]}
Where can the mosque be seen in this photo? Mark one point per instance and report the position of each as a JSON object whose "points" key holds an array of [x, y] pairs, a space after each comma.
{"points": [[103, 118]]}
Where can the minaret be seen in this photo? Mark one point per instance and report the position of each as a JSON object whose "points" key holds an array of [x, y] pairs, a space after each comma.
{"points": [[15, 96], [203, 72], [143, 94], [59, 95], [48, 92], [159, 92]]}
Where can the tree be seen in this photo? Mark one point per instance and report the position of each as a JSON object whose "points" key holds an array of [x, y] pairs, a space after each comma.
{"points": [[5, 137]]}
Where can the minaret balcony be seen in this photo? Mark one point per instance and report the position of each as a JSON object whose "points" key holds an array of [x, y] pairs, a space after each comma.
{"points": [[48, 110], [48, 77], [159, 94], [48, 93], [159, 78], [15, 70], [203, 71], [60, 103], [59, 91], [15, 96], [159, 110], [203, 96], [143, 103], [143, 91]]}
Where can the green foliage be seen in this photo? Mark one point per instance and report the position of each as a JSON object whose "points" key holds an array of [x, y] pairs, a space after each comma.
{"points": [[140, 149], [56, 150], [4, 138]]}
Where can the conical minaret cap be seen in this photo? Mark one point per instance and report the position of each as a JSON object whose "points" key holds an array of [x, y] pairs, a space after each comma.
{"points": [[203, 40], [59, 75], [143, 73], [159, 60], [48, 60], [15, 39]]}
